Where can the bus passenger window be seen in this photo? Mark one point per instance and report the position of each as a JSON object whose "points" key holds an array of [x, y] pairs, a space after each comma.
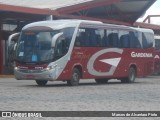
{"points": [[144, 41], [157, 43], [93, 38], [98, 39], [68, 33], [113, 39], [134, 41], [100, 36], [79, 42], [104, 39], [124, 41], [147, 40], [86, 38], [61, 47]]}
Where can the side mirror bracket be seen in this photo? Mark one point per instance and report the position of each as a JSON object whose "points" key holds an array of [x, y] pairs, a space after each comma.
{"points": [[55, 38]]}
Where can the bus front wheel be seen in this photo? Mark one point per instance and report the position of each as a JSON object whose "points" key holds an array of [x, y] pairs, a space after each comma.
{"points": [[41, 82], [131, 76], [75, 78]]}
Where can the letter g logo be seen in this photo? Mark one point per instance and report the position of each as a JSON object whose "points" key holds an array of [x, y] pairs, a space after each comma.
{"points": [[113, 62]]}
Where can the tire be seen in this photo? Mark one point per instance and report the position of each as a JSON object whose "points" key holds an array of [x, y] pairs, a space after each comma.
{"points": [[41, 82], [131, 76], [101, 81], [76, 75], [124, 80]]}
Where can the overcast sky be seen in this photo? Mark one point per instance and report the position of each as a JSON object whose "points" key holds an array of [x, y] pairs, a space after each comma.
{"points": [[153, 10]]}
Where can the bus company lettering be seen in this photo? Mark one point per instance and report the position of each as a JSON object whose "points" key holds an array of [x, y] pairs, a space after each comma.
{"points": [[142, 55]]}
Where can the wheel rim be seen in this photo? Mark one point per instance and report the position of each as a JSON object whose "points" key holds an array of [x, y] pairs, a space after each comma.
{"points": [[132, 75], [75, 77]]}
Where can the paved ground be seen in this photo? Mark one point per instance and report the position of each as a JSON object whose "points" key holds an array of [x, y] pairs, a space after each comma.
{"points": [[143, 95]]}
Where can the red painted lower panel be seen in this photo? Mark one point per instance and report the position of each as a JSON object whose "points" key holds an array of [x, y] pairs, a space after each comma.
{"points": [[81, 57]]}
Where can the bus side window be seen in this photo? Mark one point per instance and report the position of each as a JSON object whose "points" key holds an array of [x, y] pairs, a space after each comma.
{"points": [[113, 39], [86, 38], [98, 38], [144, 41], [101, 37], [157, 44], [79, 42], [68, 33], [93, 38], [124, 41], [147, 40], [134, 42], [104, 39], [99, 34]]}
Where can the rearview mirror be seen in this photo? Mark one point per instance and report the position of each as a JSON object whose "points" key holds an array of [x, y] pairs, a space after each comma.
{"points": [[11, 37], [55, 38], [11, 44], [15, 46]]}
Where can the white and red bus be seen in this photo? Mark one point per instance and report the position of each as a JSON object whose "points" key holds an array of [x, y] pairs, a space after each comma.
{"points": [[70, 50]]}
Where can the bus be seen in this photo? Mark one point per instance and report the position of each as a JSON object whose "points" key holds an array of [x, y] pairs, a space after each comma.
{"points": [[157, 55], [70, 50]]}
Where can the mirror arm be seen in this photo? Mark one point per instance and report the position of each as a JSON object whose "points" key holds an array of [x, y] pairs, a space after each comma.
{"points": [[54, 39], [10, 38]]}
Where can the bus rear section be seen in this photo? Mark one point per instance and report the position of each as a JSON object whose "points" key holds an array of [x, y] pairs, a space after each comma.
{"points": [[157, 55], [70, 50]]}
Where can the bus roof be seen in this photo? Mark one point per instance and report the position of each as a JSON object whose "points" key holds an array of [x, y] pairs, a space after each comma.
{"points": [[143, 30], [157, 37], [61, 23], [74, 22]]}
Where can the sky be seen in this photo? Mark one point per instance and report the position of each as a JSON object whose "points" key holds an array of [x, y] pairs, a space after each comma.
{"points": [[153, 10]]}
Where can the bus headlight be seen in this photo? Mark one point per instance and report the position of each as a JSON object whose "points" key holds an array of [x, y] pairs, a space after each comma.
{"points": [[16, 68], [51, 67], [48, 68]]}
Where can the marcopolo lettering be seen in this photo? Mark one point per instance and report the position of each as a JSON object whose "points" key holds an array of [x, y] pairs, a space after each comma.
{"points": [[142, 55]]}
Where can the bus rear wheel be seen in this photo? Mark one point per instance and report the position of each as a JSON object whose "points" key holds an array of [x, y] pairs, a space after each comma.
{"points": [[75, 78], [131, 76], [41, 82], [101, 81]]}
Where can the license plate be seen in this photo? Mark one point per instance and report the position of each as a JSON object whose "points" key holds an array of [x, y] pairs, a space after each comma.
{"points": [[30, 76]]}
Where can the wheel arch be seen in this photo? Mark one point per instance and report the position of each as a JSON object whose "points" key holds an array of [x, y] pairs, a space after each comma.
{"points": [[133, 66], [79, 67]]}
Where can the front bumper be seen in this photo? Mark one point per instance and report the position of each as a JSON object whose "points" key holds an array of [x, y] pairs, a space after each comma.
{"points": [[21, 74]]}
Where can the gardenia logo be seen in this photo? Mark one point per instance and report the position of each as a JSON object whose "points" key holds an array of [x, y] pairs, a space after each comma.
{"points": [[143, 55]]}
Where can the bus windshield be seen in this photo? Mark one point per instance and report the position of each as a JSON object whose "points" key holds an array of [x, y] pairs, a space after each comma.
{"points": [[34, 46]]}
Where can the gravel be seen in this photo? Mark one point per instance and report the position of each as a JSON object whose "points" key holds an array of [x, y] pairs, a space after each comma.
{"points": [[143, 95]]}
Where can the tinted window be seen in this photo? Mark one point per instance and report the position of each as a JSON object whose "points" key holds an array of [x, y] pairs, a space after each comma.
{"points": [[147, 40], [134, 41], [93, 37], [124, 39], [89, 37], [157, 44], [113, 38]]}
